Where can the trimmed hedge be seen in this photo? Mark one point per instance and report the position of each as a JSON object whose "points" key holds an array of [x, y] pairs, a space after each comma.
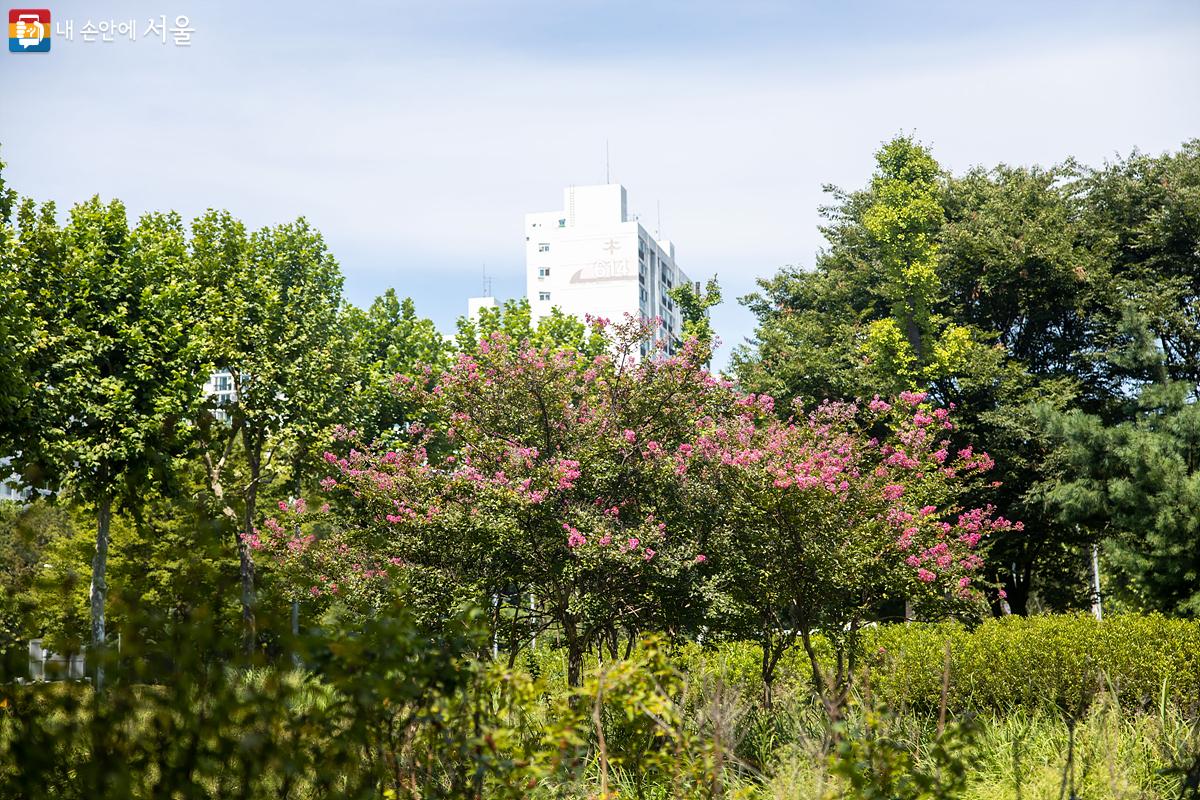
{"points": [[1054, 662]]}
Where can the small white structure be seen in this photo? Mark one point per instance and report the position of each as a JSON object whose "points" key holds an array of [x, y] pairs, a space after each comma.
{"points": [[47, 666], [593, 257]]}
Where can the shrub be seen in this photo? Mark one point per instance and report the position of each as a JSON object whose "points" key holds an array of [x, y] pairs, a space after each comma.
{"points": [[1052, 663]]}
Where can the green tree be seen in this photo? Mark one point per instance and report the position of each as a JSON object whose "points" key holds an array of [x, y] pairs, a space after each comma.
{"points": [[15, 326], [515, 320], [986, 289], [272, 325], [1137, 485], [694, 306], [913, 346], [389, 340], [1142, 214], [116, 366]]}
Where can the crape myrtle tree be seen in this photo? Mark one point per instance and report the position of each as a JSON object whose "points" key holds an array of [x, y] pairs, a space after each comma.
{"points": [[832, 516], [548, 474], [272, 321], [629, 496], [116, 365]]}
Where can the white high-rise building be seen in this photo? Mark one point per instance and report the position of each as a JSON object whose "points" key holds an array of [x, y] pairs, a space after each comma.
{"points": [[593, 257]]}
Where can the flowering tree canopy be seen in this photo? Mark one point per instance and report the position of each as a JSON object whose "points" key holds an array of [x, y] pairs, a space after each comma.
{"points": [[831, 516], [550, 474], [617, 495]]}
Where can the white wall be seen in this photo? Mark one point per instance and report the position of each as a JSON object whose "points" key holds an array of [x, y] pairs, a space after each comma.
{"points": [[590, 249]]}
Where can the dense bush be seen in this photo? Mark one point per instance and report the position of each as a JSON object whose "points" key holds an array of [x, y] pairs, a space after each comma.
{"points": [[1054, 664], [1046, 662]]}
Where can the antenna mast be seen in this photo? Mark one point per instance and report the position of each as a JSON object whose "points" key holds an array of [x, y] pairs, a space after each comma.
{"points": [[487, 283]]}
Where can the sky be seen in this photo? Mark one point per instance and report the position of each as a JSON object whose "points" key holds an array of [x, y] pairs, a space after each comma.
{"points": [[415, 136]]}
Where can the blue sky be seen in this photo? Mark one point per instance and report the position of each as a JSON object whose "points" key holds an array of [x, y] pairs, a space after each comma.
{"points": [[415, 136]]}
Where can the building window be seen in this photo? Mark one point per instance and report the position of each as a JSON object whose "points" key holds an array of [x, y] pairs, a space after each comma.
{"points": [[543, 295], [543, 272], [543, 247]]}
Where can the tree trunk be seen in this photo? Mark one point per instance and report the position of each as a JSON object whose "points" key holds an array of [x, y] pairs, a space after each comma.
{"points": [[1019, 585], [295, 633], [768, 676], [246, 568], [99, 588], [574, 654], [574, 665], [819, 683]]}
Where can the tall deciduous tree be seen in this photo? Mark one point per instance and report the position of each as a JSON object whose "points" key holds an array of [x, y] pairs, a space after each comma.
{"points": [[987, 290], [272, 306], [117, 368], [1142, 215], [15, 327]]}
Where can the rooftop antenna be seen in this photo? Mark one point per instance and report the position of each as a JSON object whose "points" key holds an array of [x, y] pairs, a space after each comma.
{"points": [[607, 175], [487, 283], [658, 230]]}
